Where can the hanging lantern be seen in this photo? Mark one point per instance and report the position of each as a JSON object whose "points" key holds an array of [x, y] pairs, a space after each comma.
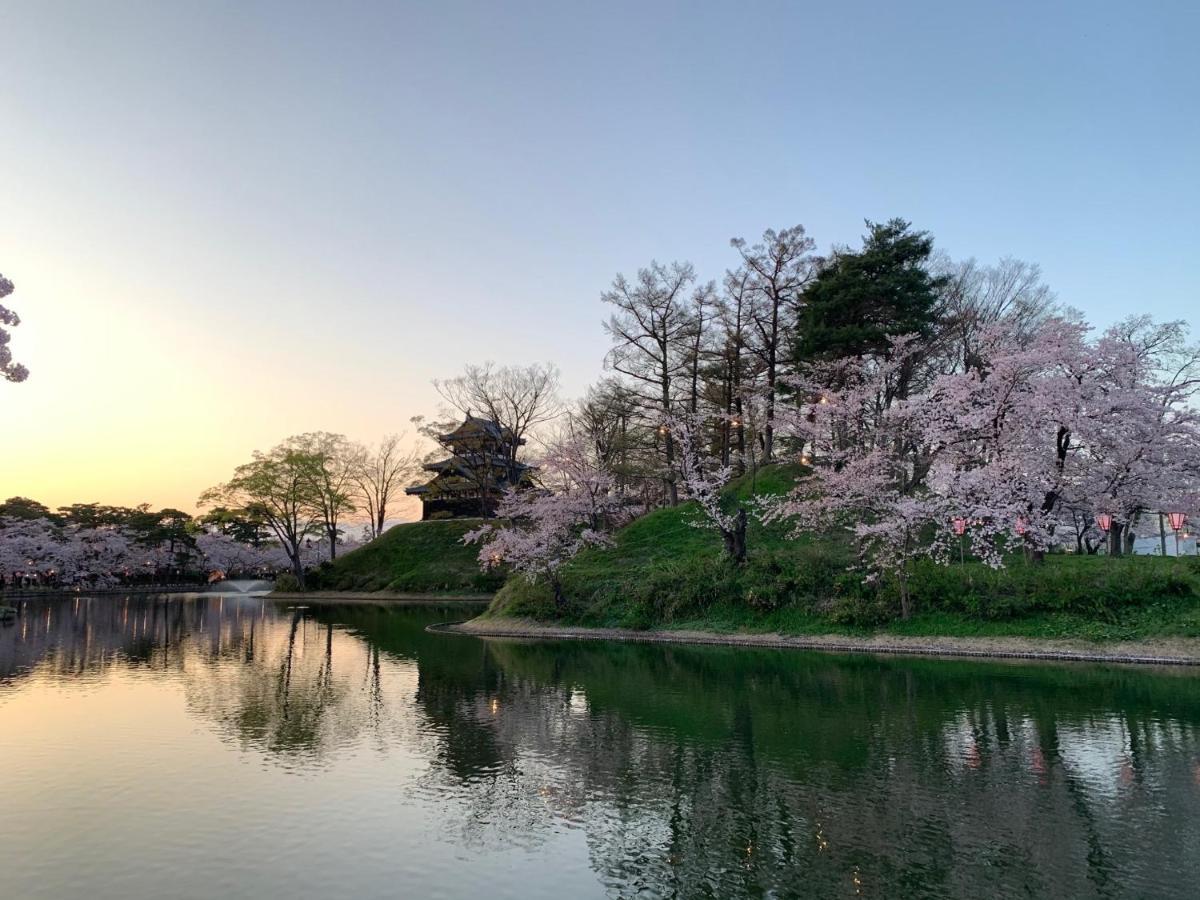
{"points": [[1022, 525], [1104, 521], [1176, 520], [960, 527]]}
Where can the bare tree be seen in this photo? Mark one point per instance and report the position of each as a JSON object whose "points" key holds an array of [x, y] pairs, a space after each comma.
{"points": [[517, 398], [704, 299], [379, 473], [611, 416], [977, 296], [779, 268], [650, 331], [733, 311]]}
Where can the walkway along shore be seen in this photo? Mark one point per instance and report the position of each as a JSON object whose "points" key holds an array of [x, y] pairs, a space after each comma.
{"points": [[1165, 652]]}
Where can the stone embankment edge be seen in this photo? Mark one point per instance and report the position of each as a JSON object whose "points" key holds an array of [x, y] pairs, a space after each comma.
{"points": [[382, 597], [940, 647]]}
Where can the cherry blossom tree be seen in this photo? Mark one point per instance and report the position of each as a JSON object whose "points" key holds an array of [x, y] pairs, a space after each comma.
{"points": [[543, 529], [899, 473], [869, 461], [101, 557], [702, 477], [1045, 429], [12, 371], [29, 549], [1139, 430], [39, 552], [223, 553]]}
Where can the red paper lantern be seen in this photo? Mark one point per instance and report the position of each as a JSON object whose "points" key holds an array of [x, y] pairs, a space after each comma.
{"points": [[1176, 520], [960, 527], [1104, 520], [1022, 525]]}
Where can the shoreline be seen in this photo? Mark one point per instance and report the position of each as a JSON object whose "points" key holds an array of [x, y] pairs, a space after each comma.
{"points": [[388, 598], [1164, 652]]}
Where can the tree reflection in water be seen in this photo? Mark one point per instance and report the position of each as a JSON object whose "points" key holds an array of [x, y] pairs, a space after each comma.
{"points": [[694, 772]]}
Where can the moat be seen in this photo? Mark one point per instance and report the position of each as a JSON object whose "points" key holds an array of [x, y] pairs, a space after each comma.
{"points": [[230, 745]]}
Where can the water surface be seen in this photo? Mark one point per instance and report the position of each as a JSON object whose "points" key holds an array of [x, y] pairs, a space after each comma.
{"points": [[228, 746]]}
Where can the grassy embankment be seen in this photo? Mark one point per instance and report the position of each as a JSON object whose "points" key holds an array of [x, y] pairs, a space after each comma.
{"points": [[664, 573], [420, 557]]}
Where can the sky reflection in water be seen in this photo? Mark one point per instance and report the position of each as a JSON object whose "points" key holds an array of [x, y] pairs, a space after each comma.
{"points": [[230, 746]]}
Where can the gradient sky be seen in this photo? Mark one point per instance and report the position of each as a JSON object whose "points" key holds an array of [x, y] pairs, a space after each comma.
{"points": [[229, 222]]}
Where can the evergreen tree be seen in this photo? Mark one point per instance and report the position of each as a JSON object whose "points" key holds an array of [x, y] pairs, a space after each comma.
{"points": [[860, 298]]}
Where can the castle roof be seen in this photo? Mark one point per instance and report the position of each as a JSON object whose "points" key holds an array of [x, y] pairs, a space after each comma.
{"points": [[474, 428]]}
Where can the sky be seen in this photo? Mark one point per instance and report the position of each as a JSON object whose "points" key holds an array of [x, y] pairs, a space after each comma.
{"points": [[232, 222]]}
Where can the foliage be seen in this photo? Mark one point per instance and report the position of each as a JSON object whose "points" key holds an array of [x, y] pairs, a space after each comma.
{"points": [[702, 480], [662, 572], [286, 583], [46, 553], [24, 508], [859, 300], [545, 528], [276, 487], [12, 371], [327, 464], [1051, 429]]}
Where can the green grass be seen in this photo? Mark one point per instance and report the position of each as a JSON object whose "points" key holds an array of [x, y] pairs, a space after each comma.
{"points": [[420, 557], [664, 573]]}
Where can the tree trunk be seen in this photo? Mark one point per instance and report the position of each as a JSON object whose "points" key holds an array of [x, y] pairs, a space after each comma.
{"points": [[669, 480], [741, 434], [772, 378], [298, 568], [905, 605], [735, 538], [1116, 544], [1162, 533]]}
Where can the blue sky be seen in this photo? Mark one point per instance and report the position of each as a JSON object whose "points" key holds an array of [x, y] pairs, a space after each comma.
{"points": [[276, 217]]}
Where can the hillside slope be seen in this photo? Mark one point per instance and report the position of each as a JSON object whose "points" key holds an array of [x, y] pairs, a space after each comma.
{"points": [[664, 572], [419, 557]]}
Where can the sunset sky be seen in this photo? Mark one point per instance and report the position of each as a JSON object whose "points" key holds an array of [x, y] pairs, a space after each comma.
{"points": [[231, 222]]}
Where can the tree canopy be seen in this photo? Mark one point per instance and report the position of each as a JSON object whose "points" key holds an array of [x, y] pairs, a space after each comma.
{"points": [[859, 299]]}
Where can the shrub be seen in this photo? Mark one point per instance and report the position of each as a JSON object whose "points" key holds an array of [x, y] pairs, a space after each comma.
{"points": [[286, 583], [1093, 586]]}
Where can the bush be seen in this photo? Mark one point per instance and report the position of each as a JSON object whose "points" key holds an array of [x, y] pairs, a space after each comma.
{"points": [[286, 583], [1093, 586]]}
